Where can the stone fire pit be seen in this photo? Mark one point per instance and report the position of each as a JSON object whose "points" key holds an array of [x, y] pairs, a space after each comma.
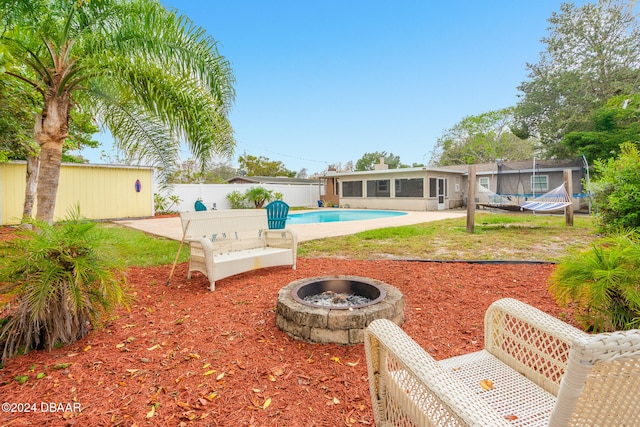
{"points": [[316, 309]]}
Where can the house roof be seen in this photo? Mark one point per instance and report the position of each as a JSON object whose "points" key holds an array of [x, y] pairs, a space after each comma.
{"points": [[392, 171], [481, 168], [522, 166], [270, 180]]}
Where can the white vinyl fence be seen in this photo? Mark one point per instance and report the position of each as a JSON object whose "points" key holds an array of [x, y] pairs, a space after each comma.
{"points": [[215, 195]]}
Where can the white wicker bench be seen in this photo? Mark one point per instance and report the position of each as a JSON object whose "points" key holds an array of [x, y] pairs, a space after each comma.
{"points": [[535, 370], [224, 243]]}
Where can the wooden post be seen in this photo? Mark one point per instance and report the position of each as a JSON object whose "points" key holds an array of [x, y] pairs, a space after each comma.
{"points": [[471, 199], [568, 215]]}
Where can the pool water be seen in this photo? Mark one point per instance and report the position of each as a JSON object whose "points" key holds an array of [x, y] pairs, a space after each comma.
{"points": [[330, 215]]}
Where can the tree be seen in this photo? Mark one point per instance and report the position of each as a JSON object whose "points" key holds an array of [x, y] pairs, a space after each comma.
{"points": [[262, 166], [592, 54], [302, 174], [17, 111], [148, 75], [617, 122], [339, 167], [616, 190], [368, 161], [485, 138], [189, 172]]}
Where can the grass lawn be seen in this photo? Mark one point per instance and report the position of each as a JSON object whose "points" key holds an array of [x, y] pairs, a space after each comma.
{"points": [[509, 236]]}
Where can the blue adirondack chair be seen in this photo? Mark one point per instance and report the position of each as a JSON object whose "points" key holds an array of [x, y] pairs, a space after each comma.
{"points": [[277, 214], [200, 206]]}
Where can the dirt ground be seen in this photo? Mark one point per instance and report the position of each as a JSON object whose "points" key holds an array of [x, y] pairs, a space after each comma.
{"points": [[182, 355]]}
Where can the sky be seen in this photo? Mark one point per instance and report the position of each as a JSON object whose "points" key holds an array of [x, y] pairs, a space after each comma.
{"points": [[324, 82]]}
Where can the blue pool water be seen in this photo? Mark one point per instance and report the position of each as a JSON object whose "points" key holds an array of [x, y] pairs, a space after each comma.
{"points": [[330, 215]]}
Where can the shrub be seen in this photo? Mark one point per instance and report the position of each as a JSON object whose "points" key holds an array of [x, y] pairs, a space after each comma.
{"points": [[602, 283], [237, 200], [160, 203], [65, 281], [616, 194]]}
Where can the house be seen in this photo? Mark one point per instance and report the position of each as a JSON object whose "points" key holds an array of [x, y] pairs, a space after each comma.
{"points": [[439, 188]]}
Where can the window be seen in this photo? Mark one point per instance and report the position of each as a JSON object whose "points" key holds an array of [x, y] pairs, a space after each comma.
{"points": [[352, 189], [484, 182], [409, 187], [433, 187], [378, 188], [540, 183]]}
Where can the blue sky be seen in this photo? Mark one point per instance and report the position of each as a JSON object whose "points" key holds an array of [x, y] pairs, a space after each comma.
{"points": [[322, 82]]}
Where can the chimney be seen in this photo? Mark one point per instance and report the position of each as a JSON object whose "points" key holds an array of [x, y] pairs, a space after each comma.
{"points": [[381, 165]]}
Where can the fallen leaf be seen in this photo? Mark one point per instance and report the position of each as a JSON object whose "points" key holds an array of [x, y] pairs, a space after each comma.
{"points": [[190, 415], [266, 403], [152, 412], [61, 366], [336, 359], [119, 345], [220, 376], [352, 364], [194, 356], [155, 347], [336, 401], [183, 405], [486, 384], [511, 417], [87, 348], [213, 371]]}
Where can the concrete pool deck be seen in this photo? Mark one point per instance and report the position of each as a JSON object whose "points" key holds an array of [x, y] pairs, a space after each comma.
{"points": [[170, 227]]}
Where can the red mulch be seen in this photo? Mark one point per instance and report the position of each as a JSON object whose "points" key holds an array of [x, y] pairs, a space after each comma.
{"points": [[217, 358]]}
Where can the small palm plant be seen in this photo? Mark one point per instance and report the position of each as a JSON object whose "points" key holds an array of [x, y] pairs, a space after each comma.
{"points": [[65, 282], [258, 196], [602, 283]]}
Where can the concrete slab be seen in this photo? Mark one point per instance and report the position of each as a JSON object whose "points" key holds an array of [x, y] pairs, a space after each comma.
{"points": [[170, 227]]}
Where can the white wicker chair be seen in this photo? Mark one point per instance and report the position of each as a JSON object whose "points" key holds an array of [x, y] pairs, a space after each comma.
{"points": [[540, 371]]}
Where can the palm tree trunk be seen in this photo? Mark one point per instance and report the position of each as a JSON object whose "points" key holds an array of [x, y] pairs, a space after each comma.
{"points": [[55, 124], [33, 167]]}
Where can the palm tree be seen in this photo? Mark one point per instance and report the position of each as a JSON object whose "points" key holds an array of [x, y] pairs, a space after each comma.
{"points": [[147, 74]]}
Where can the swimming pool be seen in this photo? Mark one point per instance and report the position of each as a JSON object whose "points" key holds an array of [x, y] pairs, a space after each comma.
{"points": [[330, 215]]}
